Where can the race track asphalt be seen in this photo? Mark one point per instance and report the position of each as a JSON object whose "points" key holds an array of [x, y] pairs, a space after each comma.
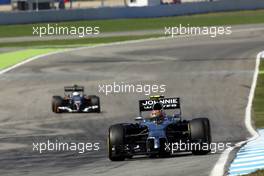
{"points": [[212, 76]]}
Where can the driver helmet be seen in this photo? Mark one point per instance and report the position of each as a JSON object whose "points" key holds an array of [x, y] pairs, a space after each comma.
{"points": [[75, 94], [157, 112]]}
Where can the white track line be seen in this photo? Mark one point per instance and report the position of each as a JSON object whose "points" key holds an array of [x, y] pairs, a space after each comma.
{"points": [[27, 61], [109, 44], [219, 167], [75, 49]]}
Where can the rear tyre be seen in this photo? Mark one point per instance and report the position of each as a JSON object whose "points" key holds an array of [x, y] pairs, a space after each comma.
{"points": [[57, 101], [200, 135], [116, 142]]}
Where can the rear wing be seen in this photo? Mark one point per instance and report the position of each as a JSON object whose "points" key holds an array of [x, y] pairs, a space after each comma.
{"points": [[74, 88], [167, 103]]}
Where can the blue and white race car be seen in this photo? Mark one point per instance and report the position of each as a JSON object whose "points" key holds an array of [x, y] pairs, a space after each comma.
{"points": [[75, 100], [156, 134]]}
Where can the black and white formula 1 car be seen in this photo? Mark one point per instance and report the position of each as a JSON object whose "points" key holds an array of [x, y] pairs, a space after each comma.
{"points": [[159, 134], [75, 101]]}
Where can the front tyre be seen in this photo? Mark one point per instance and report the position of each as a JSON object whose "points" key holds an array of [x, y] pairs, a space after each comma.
{"points": [[95, 101], [116, 143]]}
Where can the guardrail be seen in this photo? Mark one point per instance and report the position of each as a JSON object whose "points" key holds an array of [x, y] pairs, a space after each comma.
{"points": [[128, 12]]}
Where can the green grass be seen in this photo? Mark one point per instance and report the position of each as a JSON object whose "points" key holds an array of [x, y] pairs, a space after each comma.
{"points": [[258, 104], [74, 42], [224, 18], [257, 173], [42, 47], [11, 58]]}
